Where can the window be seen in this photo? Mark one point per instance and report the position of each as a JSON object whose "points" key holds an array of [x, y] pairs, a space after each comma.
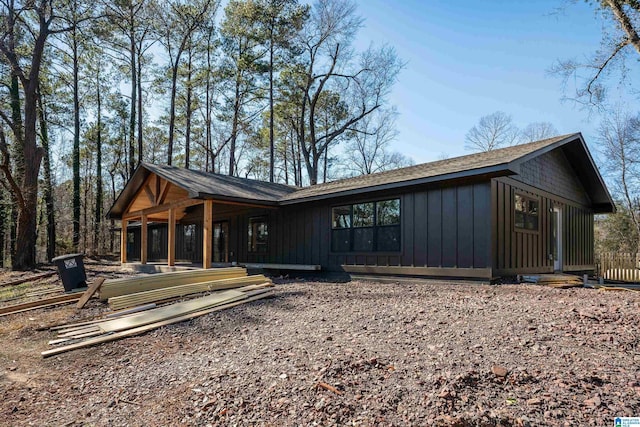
{"points": [[366, 227], [189, 237], [258, 234], [525, 213], [155, 241]]}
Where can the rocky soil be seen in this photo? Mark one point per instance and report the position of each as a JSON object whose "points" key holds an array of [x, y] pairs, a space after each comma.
{"points": [[355, 353]]}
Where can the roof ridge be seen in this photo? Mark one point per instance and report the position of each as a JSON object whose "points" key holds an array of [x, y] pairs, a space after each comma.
{"points": [[541, 142]]}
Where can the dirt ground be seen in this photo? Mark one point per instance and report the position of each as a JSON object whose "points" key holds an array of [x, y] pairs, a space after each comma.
{"points": [[356, 353]]}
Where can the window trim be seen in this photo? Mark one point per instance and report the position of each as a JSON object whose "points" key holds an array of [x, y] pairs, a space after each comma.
{"points": [[259, 218], [375, 228], [528, 197]]}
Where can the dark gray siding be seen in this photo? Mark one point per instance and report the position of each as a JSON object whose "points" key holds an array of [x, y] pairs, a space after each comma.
{"points": [[553, 172], [522, 252], [441, 227]]}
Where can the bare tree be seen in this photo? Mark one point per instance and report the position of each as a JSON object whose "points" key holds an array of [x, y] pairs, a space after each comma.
{"points": [[537, 131], [368, 150], [493, 131], [329, 64], [619, 137], [618, 43]]}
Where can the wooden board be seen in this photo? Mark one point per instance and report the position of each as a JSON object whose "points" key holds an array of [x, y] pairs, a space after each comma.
{"points": [[155, 295], [117, 287], [28, 279], [32, 305], [169, 311], [93, 288], [142, 329]]}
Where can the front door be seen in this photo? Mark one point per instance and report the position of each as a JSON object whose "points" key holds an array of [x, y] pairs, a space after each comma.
{"points": [[221, 241], [556, 238]]}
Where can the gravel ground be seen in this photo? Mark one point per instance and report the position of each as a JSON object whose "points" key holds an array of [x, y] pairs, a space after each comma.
{"points": [[345, 354]]}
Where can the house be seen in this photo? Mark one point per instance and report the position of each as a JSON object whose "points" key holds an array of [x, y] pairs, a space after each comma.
{"points": [[518, 210]]}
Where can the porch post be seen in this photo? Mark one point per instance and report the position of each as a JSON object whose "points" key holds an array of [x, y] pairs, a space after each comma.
{"points": [[171, 238], [123, 241], [143, 239], [207, 234]]}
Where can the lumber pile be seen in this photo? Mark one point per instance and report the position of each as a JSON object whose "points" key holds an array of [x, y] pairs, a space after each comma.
{"points": [[118, 287], [555, 280], [161, 294], [86, 334]]}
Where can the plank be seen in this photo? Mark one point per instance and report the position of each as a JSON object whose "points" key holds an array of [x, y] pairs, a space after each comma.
{"points": [[93, 288], [28, 279], [40, 306], [131, 310], [155, 295], [142, 329], [116, 287], [37, 304], [122, 313], [173, 310], [90, 328]]}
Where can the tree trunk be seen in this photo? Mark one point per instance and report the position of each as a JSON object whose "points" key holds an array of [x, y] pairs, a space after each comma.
{"points": [[234, 127], [271, 143], [189, 112], [47, 191], [207, 119], [140, 112], [17, 153], [97, 225], [76, 144], [134, 89], [172, 109], [25, 254], [3, 224]]}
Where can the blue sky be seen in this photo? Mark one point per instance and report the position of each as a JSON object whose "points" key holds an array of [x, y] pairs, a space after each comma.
{"points": [[468, 59]]}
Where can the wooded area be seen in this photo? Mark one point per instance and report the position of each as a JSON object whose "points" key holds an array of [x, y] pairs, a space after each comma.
{"points": [[266, 89]]}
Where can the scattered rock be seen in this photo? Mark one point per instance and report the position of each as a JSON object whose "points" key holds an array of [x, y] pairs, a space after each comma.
{"points": [[392, 353], [499, 371]]}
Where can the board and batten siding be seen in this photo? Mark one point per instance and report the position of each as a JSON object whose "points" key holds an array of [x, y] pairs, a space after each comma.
{"points": [[447, 228], [528, 252]]}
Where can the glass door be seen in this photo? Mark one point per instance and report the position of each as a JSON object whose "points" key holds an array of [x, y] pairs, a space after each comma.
{"points": [[221, 241]]}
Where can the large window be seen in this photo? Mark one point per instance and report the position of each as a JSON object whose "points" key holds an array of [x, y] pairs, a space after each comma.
{"points": [[366, 227], [258, 234], [525, 213]]}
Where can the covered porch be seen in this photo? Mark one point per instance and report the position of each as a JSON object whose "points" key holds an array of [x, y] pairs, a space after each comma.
{"points": [[165, 224], [175, 218]]}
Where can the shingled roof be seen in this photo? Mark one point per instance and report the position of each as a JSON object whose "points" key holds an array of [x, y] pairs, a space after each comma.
{"points": [[204, 185], [495, 162], [500, 162]]}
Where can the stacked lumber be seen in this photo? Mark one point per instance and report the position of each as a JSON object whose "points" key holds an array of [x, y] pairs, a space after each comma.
{"points": [[117, 287], [555, 280], [161, 294], [92, 333]]}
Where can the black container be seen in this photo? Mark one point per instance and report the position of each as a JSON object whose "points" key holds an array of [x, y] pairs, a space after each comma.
{"points": [[71, 271]]}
